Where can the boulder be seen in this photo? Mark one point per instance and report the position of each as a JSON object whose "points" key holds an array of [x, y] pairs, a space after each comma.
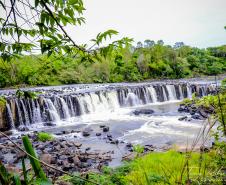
{"points": [[143, 111], [77, 145], [85, 133], [76, 160], [98, 134], [129, 145], [106, 129], [180, 109], [3, 123], [182, 118], [65, 132], [197, 116], [203, 113], [66, 165], [114, 142], [49, 124], [22, 128], [47, 158]]}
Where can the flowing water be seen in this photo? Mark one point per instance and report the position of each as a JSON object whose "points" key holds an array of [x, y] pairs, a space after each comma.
{"points": [[92, 105]]}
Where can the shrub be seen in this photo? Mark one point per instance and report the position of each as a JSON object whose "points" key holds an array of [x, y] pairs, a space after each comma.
{"points": [[44, 136]]}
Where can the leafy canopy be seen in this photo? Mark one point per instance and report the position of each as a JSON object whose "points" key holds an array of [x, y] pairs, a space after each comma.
{"points": [[39, 27]]}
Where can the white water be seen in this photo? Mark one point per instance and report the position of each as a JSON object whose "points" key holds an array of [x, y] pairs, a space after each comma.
{"points": [[115, 108], [132, 99], [65, 108], [27, 122], [10, 116], [153, 94], [37, 118], [53, 112], [112, 103], [171, 91]]}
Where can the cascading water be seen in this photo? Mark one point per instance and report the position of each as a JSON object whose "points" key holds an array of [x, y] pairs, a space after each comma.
{"points": [[36, 118], [65, 109], [20, 119], [24, 110], [70, 102], [52, 111], [132, 99], [152, 94], [171, 91], [10, 117]]}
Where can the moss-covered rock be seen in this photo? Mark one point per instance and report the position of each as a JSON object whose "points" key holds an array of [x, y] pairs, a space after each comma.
{"points": [[3, 123]]}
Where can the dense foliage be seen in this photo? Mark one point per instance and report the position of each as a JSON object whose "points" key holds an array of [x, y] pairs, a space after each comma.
{"points": [[115, 63]]}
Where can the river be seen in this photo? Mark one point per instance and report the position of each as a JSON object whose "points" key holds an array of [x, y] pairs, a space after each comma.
{"points": [[88, 106]]}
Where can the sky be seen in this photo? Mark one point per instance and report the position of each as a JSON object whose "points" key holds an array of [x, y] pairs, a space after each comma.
{"points": [[198, 23]]}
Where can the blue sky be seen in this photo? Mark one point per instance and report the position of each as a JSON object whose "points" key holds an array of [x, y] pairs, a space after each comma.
{"points": [[197, 23]]}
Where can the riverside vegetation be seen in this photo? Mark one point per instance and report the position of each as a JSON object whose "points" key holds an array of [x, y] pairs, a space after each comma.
{"points": [[117, 63]]}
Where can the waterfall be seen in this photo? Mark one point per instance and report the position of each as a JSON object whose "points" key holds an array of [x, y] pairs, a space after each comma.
{"points": [[67, 103], [64, 109], [164, 94], [10, 116], [181, 92], [26, 117], [52, 110], [96, 103], [104, 101], [132, 99], [189, 91], [171, 91], [20, 119], [71, 107], [153, 94], [113, 100], [36, 113]]}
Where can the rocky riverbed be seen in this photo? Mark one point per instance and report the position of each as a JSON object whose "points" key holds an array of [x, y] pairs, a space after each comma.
{"points": [[67, 154], [196, 112]]}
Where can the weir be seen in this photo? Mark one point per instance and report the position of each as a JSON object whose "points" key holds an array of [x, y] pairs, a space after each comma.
{"points": [[51, 105]]}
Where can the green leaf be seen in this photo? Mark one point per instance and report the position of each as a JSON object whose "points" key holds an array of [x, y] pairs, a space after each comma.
{"points": [[36, 3], [16, 179], [41, 182], [4, 175], [24, 172], [103, 36], [34, 163], [72, 2]]}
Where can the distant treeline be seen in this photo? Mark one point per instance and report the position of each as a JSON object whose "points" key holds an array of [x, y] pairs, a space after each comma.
{"points": [[117, 64]]}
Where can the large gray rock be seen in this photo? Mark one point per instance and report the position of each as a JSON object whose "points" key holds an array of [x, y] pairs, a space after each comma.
{"points": [[143, 111]]}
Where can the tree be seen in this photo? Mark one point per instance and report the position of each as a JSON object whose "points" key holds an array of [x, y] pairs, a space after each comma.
{"points": [[139, 44], [160, 42], [149, 43], [178, 45], [38, 26]]}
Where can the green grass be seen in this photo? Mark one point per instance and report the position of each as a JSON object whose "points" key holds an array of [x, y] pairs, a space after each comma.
{"points": [[44, 136], [161, 168], [170, 168]]}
